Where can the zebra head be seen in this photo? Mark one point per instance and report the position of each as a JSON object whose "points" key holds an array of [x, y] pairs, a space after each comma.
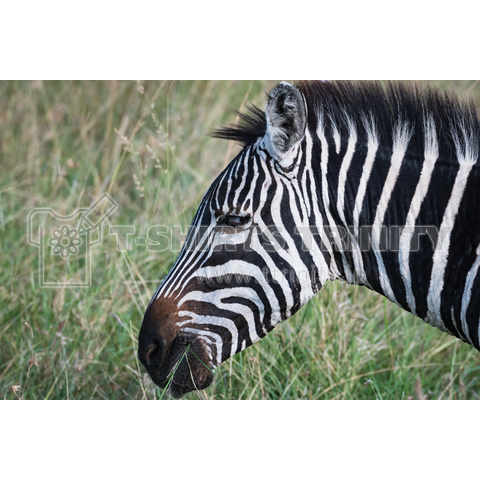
{"points": [[241, 270]]}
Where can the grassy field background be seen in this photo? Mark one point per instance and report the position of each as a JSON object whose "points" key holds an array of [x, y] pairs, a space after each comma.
{"points": [[63, 144]]}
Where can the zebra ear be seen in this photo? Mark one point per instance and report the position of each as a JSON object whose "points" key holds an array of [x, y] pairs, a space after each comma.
{"points": [[286, 115]]}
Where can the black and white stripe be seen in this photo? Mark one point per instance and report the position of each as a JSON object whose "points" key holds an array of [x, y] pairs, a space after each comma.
{"points": [[330, 159]]}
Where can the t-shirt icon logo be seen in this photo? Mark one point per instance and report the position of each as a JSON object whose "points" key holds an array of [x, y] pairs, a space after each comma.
{"points": [[66, 241]]}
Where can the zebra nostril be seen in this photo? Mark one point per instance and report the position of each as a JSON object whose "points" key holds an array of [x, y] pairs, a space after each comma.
{"points": [[151, 352], [155, 352]]}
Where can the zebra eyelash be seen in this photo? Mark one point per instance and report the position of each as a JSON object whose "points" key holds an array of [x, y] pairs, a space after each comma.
{"points": [[233, 221]]}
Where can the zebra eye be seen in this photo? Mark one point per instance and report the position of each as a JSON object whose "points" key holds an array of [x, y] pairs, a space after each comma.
{"points": [[235, 221]]}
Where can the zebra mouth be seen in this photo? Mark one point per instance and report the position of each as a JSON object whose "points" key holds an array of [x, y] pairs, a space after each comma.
{"points": [[185, 370]]}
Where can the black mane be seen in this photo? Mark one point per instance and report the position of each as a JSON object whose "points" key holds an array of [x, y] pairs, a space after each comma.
{"points": [[252, 125], [385, 102]]}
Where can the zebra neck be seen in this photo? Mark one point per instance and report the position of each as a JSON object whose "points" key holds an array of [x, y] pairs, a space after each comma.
{"points": [[355, 200], [396, 216]]}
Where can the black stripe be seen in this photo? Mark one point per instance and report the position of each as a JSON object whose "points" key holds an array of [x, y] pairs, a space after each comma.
{"points": [[462, 253], [431, 214]]}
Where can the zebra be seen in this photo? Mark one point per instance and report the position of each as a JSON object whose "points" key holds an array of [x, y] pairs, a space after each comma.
{"points": [[372, 183]]}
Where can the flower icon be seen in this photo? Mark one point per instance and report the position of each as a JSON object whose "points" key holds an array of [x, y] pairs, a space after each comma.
{"points": [[65, 241]]}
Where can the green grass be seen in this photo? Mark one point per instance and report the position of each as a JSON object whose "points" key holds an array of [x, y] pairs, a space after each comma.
{"points": [[62, 144]]}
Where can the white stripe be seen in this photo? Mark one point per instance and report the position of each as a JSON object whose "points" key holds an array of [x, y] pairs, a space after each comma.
{"points": [[244, 159], [308, 161], [274, 271], [205, 334], [372, 147], [249, 195], [240, 267], [326, 272], [291, 254], [317, 254], [467, 157], [431, 156], [221, 322], [170, 281], [266, 183], [342, 180], [215, 297], [307, 237], [206, 239], [401, 139], [347, 160], [467, 295], [227, 193], [221, 179], [325, 194], [336, 135]]}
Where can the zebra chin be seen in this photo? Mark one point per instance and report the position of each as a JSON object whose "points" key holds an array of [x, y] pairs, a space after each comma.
{"points": [[188, 362], [179, 365]]}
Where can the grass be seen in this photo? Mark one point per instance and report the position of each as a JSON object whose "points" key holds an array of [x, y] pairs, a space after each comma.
{"points": [[62, 145]]}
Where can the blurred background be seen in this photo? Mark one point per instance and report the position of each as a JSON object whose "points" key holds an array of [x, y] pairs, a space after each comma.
{"points": [[146, 144]]}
